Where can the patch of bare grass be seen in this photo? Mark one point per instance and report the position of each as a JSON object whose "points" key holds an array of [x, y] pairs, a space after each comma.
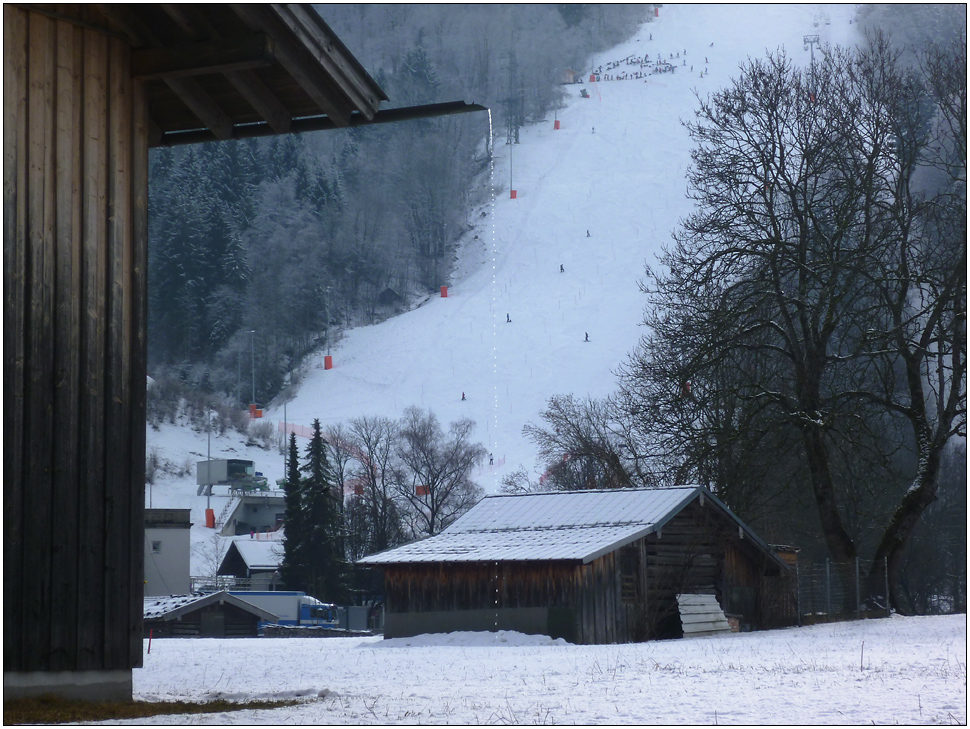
{"points": [[54, 710]]}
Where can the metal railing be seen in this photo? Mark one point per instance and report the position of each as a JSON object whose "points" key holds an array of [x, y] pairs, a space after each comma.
{"points": [[215, 583]]}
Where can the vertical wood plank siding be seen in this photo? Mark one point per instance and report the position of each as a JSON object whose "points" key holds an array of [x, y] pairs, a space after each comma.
{"points": [[75, 251], [39, 351], [14, 315], [65, 527], [591, 591]]}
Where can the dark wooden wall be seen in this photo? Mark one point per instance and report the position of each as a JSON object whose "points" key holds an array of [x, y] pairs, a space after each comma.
{"points": [[211, 621], [75, 253], [701, 551], [587, 596]]}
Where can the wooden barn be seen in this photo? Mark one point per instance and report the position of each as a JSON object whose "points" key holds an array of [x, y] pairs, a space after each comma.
{"points": [[87, 89], [214, 615], [587, 566]]}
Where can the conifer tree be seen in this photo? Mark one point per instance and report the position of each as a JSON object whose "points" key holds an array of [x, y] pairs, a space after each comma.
{"points": [[321, 528], [292, 567]]}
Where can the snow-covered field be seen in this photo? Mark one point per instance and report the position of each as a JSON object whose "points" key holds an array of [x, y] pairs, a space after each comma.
{"points": [[896, 671]]}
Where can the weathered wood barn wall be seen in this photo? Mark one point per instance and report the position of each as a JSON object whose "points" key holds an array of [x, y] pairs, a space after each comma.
{"points": [[75, 209], [216, 615], [624, 590], [579, 602], [88, 88]]}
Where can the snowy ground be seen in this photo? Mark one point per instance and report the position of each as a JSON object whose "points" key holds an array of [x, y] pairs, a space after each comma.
{"points": [[623, 182], [896, 671]]}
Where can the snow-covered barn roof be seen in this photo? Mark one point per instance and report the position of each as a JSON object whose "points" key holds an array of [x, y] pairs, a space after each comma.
{"points": [[174, 606], [572, 525]]}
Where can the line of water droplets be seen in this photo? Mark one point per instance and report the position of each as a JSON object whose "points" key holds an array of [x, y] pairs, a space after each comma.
{"points": [[493, 446]]}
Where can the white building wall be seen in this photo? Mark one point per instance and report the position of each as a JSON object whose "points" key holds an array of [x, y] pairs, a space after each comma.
{"points": [[167, 558]]}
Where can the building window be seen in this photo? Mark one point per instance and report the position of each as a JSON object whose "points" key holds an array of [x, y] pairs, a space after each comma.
{"points": [[156, 547]]}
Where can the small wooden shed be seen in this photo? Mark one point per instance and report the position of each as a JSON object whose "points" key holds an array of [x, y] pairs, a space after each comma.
{"points": [[571, 77], [213, 615], [587, 566]]}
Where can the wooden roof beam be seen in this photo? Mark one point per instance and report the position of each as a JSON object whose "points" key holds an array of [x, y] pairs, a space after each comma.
{"points": [[209, 113], [201, 104], [215, 56], [256, 17], [331, 54], [197, 27], [190, 21], [262, 99]]}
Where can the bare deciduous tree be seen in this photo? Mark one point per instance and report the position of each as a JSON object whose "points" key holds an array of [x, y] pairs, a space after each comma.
{"points": [[438, 486], [819, 290], [375, 477]]}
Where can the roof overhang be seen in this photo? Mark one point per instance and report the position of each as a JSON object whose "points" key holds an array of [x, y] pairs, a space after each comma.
{"points": [[218, 71], [321, 123]]}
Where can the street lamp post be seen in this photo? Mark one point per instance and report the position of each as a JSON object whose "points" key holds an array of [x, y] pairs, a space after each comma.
{"points": [[208, 455], [327, 314], [252, 352]]}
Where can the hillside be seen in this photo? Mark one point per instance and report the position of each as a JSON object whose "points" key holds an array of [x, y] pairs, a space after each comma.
{"points": [[599, 197]]}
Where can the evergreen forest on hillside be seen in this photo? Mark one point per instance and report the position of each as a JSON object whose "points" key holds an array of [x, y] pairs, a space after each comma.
{"points": [[261, 250]]}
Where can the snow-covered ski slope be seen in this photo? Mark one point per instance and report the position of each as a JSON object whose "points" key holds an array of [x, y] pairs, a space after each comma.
{"points": [[623, 182], [615, 168]]}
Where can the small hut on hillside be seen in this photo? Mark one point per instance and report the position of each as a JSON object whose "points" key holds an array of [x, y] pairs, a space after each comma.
{"points": [[571, 77], [587, 566]]}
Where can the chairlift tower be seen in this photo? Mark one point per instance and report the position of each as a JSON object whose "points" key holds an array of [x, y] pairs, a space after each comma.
{"points": [[810, 41]]}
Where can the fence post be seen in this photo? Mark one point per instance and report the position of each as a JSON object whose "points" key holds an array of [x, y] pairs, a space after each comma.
{"points": [[798, 594], [828, 589], [885, 572], [858, 600]]}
